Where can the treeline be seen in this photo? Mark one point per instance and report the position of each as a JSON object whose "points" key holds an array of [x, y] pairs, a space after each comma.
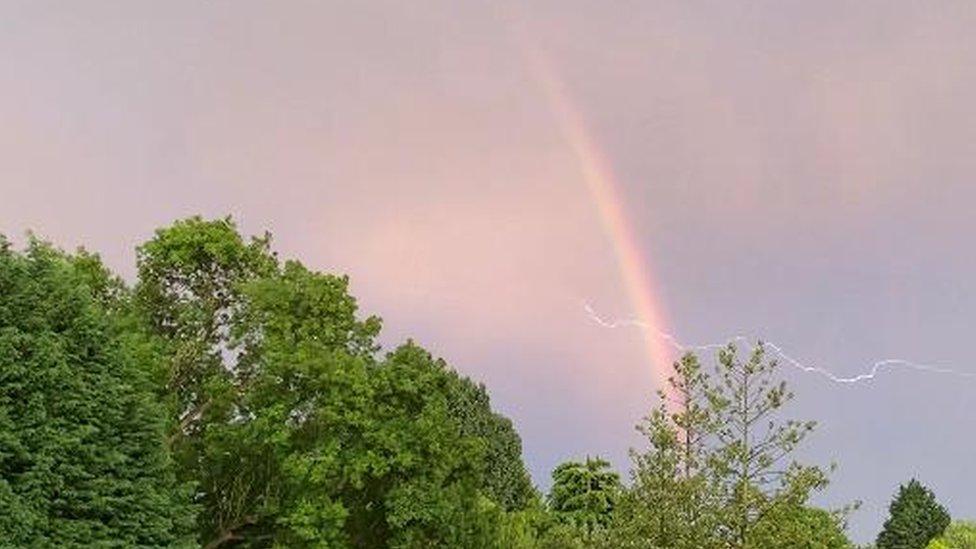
{"points": [[227, 398]]}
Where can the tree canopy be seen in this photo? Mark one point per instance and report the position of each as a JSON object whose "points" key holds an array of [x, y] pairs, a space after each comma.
{"points": [[230, 398], [293, 427]]}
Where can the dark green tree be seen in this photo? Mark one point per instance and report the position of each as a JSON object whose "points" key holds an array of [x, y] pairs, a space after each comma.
{"points": [[585, 494], [83, 460], [914, 518]]}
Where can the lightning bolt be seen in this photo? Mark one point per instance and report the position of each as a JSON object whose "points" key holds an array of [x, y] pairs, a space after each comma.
{"points": [[876, 369]]}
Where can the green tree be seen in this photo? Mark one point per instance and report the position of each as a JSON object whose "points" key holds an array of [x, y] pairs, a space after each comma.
{"points": [[506, 480], [293, 429], [914, 519], [717, 472], [959, 535], [801, 527], [300, 378], [584, 494], [752, 446], [191, 277], [537, 527], [675, 498], [82, 455], [393, 470]]}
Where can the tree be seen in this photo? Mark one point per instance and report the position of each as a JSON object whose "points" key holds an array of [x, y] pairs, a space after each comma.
{"points": [[394, 470], [752, 445], [506, 481], [675, 498], [584, 494], [801, 527], [959, 535], [190, 277], [914, 519], [294, 430], [189, 296], [717, 472], [82, 454], [300, 377]]}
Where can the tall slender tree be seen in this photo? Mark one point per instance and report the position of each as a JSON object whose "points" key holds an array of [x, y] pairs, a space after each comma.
{"points": [[674, 499], [753, 449], [718, 470]]}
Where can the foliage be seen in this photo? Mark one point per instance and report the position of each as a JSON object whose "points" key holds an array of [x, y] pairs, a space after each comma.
{"points": [[82, 459], [959, 535], [584, 494], [716, 473], [800, 527], [232, 399], [190, 278], [914, 519], [299, 376], [400, 470], [189, 296], [505, 480], [674, 499], [294, 431]]}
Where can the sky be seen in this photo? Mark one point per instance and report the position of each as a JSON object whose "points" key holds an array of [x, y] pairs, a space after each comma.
{"points": [[800, 172]]}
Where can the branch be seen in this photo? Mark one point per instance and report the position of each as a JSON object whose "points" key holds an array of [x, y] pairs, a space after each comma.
{"points": [[187, 420], [230, 534]]}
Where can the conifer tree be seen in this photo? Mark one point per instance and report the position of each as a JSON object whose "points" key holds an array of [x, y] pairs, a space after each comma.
{"points": [[914, 518], [584, 494], [83, 461]]}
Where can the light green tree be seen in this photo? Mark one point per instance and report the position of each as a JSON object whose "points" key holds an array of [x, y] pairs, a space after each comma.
{"points": [[674, 498], [753, 450], [718, 470], [959, 535], [801, 527]]}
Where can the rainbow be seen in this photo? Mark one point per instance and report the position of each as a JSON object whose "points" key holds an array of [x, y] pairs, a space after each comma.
{"points": [[607, 197]]}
